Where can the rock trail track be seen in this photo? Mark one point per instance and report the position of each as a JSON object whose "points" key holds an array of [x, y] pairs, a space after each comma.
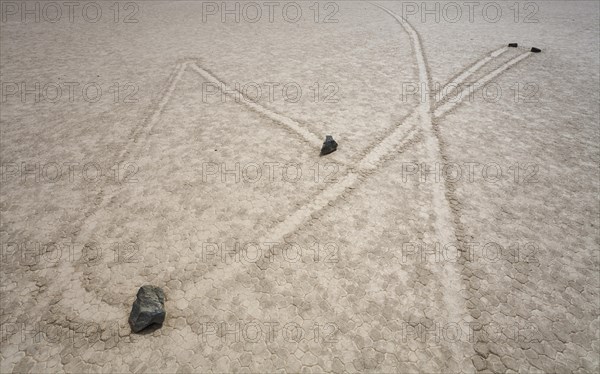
{"points": [[371, 311]]}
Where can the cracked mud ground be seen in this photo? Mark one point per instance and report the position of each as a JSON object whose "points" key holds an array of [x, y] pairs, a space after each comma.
{"points": [[367, 260]]}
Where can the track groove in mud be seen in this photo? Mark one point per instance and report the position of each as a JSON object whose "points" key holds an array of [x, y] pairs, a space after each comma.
{"points": [[441, 110], [158, 109], [451, 211], [459, 78], [293, 126], [311, 138], [455, 306], [397, 140]]}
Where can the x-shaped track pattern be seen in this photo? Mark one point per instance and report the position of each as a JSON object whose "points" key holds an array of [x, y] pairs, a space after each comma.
{"points": [[421, 125]]}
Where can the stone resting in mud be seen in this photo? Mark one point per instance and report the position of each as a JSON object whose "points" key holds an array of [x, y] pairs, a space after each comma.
{"points": [[329, 146], [148, 308]]}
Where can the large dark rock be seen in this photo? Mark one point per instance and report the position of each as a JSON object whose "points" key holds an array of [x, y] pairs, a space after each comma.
{"points": [[513, 45], [535, 50], [329, 146], [148, 308]]}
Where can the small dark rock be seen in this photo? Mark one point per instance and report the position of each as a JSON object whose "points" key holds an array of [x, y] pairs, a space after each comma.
{"points": [[148, 308], [329, 146], [535, 50], [513, 45]]}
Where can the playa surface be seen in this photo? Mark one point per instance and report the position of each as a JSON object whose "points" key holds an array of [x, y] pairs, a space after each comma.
{"points": [[176, 144]]}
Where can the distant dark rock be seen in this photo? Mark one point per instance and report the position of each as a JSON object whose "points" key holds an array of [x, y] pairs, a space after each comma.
{"points": [[535, 50], [513, 45], [329, 146], [148, 308]]}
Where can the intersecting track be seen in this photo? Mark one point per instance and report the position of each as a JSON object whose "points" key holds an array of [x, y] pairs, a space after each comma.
{"points": [[420, 120], [402, 135], [420, 125]]}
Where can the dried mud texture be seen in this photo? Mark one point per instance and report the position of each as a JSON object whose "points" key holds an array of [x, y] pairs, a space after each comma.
{"points": [[347, 278]]}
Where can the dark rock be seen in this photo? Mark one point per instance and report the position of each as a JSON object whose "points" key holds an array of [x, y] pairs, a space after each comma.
{"points": [[329, 146], [148, 308], [513, 45], [535, 50]]}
